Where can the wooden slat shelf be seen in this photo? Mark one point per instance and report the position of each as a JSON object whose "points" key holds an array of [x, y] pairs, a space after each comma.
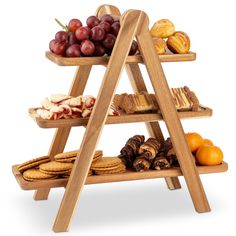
{"points": [[123, 118], [83, 61], [127, 176]]}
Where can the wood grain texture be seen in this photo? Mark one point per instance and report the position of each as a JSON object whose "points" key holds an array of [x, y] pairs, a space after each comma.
{"points": [[123, 118], [128, 176], [97, 120], [84, 61], [172, 121], [62, 133]]}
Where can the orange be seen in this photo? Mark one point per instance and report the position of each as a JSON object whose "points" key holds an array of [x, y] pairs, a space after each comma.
{"points": [[207, 142], [209, 155], [194, 140]]}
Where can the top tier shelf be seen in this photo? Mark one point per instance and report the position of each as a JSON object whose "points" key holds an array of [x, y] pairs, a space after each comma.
{"points": [[85, 61]]}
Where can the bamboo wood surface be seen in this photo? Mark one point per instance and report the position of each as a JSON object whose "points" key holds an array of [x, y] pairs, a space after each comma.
{"points": [[172, 121], [128, 176], [97, 120], [62, 133], [123, 118], [138, 85], [84, 61]]}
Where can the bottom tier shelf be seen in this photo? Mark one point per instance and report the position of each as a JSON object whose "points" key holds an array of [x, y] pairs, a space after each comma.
{"points": [[127, 176]]}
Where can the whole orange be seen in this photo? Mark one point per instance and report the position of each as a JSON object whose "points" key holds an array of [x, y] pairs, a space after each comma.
{"points": [[194, 140], [207, 142], [209, 155]]}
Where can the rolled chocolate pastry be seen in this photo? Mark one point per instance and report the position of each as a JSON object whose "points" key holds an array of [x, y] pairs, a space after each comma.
{"points": [[166, 146], [129, 152], [161, 163], [141, 164], [152, 146], [172, 158]]}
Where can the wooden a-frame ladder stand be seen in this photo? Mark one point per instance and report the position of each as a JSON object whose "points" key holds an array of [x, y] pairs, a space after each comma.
{"points": [[134, 24]]}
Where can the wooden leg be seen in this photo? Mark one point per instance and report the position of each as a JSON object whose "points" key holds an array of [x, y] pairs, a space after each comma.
{"points": [[154, 129], [170, 116], [97, 120], [62, 134]]}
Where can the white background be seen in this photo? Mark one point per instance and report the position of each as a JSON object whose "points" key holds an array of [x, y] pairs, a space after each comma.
{"points": [[134, 208]]}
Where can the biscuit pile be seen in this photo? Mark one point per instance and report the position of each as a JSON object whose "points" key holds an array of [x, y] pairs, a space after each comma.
{"points": [[141, 156], [60, 106], [43, 168], [108, 165]]}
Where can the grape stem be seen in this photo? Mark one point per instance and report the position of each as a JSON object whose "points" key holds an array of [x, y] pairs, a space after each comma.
{"points": [[63, 26]]}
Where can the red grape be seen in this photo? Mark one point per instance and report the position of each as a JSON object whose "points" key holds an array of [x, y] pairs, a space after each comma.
{"points": [[61, 36], [52, 44], [97, 33], [109, 41], [134, 48], [108, 51], [72, 38], [92, 21], [99, 50], [60, 48], [87, 48], [74, 24], [82, 33], [73, 51], [105, 25], [108, 18], [115, 27]]}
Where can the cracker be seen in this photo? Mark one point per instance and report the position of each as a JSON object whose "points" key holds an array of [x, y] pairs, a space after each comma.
{"points": [[73, 154], [106, 162], [67, 175], [35, 174], [67, 160], [121, 165], [55, 166], [33, 163], [56, 172], [65, 155], [114, 171], [96, 158]]}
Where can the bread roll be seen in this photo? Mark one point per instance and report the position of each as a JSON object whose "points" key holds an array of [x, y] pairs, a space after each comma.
{"points": [[160, 45], [162, 29], [179, 43]]}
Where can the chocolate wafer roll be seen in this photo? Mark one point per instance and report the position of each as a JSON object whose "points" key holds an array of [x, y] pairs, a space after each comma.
{"points": [[141, 164], [161, 163], [151, 145], [129, 152]]}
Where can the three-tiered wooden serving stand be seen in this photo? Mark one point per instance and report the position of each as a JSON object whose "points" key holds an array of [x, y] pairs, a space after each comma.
{"points": [[134, 24]]}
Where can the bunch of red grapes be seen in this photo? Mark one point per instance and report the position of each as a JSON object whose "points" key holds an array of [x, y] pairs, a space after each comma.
{"points": [[95, 39]]}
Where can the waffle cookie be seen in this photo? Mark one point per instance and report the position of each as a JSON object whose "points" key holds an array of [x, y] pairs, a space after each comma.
{"points": [[69, 157], [33, 163], [108, 165], [55, 168], [36, 175]]}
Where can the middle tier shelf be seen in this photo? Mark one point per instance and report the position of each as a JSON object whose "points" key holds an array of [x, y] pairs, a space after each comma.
{"points": [[123, 118]]}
